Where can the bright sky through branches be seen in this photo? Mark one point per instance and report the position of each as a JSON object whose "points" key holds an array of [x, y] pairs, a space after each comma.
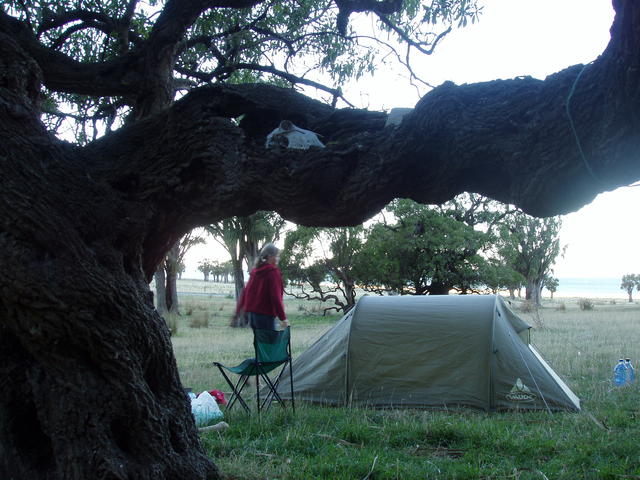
{"points": [[536, 38], [516, 38]]}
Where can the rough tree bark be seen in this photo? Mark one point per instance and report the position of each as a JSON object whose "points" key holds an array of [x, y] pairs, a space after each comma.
{"points": [[90, 387]]}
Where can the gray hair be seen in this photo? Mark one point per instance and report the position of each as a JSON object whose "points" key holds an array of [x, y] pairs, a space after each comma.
{"points": [[267, 251]]}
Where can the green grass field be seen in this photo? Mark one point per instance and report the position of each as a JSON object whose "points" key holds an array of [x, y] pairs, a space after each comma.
{"points": [[601, 442]]}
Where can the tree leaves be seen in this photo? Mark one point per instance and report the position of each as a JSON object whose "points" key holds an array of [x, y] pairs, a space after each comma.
{"points": [[287, 42], [530, 246]]}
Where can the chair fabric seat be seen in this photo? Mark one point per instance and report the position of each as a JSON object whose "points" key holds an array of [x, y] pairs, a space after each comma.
{"points": [[250, 367]]}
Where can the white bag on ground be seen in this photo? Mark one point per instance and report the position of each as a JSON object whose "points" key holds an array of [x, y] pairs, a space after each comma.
{"points": [[205, 409]]}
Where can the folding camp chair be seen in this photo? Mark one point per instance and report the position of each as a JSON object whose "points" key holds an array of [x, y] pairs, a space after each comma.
{"points": [[272, 351]]}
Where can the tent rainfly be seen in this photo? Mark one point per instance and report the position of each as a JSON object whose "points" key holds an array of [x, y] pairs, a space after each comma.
{"points": [[429, 351]]}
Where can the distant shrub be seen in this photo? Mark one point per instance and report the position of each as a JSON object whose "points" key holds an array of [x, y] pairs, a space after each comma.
{"points": [[585, 304], [199, 321], [527, 307], [613, 302], [561, 307]]}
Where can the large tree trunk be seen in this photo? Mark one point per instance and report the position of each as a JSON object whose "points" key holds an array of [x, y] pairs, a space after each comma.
{"points": [[532, 291], [438, 288], [349, 294], [90, 387]]}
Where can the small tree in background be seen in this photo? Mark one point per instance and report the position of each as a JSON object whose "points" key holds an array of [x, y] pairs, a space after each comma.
{"points": [[207, 267], [629, 282], [324, 273], [499, 276], [530, 246], [168, 270], [585, 304], [224, 272], [242, 238], [551, 284], [425, 251]]}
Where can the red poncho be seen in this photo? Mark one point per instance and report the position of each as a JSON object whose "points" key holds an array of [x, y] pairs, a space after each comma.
{"points": [[263, 292]]}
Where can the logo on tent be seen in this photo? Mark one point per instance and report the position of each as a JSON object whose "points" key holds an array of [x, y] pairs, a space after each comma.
{"points": [[520, 393]]}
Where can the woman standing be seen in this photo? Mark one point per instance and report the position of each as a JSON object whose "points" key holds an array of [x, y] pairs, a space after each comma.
{"points": [[261, 298]]}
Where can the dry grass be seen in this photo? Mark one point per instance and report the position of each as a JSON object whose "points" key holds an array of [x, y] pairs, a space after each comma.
{"points": [[576, 342], [198, 343], [582, 346]]}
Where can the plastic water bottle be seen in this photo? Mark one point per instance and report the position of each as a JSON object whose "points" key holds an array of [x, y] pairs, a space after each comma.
{"points": [[620, 373], [631, 372]]}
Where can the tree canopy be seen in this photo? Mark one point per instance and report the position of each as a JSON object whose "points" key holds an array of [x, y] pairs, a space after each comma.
{"points": [[470, 244], [179, 142], [530, 247], [187, 44], [629, 282], [424, 251], [318, 264]]}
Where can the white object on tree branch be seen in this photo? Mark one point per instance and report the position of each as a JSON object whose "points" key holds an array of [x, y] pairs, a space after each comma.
{"points": [[289, 136], [396, 115]]}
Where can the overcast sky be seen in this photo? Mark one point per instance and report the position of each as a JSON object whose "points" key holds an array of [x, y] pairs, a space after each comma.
{"points": [[536, 38]]}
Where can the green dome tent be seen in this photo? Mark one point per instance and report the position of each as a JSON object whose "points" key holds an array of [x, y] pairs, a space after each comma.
{"points": [[429, 351]]}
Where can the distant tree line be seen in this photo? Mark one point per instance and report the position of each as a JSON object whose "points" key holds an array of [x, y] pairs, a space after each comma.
{"points": [[469, 245], [216, 271]]}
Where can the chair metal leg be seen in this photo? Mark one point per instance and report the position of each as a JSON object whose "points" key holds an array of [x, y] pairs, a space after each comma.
{"points": [[258, 393], [293, 403], [236, 389], [273, 389], [242, 382]]}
